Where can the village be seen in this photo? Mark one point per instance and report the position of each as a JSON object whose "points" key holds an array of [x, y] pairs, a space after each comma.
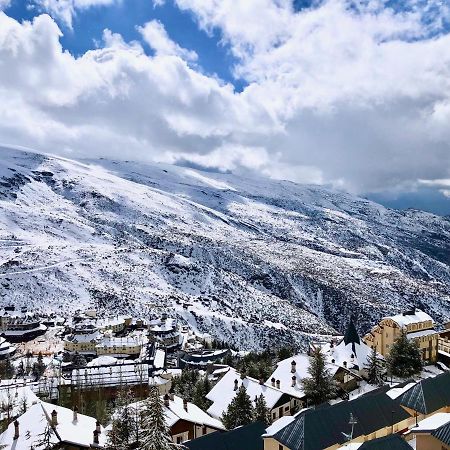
{"points": [[73, 383]]}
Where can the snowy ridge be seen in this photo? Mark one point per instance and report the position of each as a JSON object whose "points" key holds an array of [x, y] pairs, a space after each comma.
{"points": [[249, 260]]}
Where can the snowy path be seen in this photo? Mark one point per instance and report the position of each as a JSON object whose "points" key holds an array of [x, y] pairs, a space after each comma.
{"points": [[40, 269]]}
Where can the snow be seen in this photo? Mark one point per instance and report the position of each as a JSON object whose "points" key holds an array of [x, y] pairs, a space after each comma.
{"points": [[279, 425], [407, 319], [418, 334], [353, 354], [34, 421], [397, 391], [160, 359], [224, 391], [432, 423], [15, 397]]}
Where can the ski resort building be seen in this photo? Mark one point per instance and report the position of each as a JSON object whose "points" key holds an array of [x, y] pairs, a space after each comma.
{"points": [[120, 347], [165, 331], [419, 327], [18, 326], [279, 403], [83, 340], [433, 433], [53, 427], [6, 349]]}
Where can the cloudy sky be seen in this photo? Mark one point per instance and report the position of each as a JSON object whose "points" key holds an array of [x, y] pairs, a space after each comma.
{"points": [[352, 94]]}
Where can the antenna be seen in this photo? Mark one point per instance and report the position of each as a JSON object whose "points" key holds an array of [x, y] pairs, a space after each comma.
{"points": [[352, 421]]}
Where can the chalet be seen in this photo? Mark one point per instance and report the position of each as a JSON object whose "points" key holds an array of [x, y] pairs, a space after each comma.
{"points": [[53, 427], [247, 437], [326, 427], [221, 395], [419, 327], [432, 433]]}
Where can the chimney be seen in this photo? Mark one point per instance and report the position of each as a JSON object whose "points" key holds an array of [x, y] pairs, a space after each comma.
{"points": [[294, 380], [75, 413], [278, 384], [98, 427], [243, 375], [261, 381], [293, 366], [54, 418], [185, 404], [236, 385], [16, 430], [166, 400], [345, 363], [273, 382], [96, 440]]}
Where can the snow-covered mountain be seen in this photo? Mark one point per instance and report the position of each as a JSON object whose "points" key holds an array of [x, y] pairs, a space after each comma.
{"points": [[258, 261]]}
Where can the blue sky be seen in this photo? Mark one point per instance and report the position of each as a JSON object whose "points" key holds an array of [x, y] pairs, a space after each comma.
{"points": [[349, 94]]}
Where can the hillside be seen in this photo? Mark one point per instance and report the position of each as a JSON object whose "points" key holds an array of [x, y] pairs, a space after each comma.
{"points": [[259, 261]]}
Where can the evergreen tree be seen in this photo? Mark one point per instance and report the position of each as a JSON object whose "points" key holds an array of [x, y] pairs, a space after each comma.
{"points": [[155, 433], [404, 357], [262, 412], [7, 368], [39, 367], [319, 386], [79, 360], [374, 367], [202, 387], [119, 437], [240, 411]]}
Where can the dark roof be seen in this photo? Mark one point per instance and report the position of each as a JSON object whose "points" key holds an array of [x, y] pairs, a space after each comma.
{"points": [[443, 433], [247, 437], [428, 395], [391, 442], [319, 428], [351, 335]]}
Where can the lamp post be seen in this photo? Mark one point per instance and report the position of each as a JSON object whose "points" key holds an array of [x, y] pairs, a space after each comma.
{"points": [[392, 422]]}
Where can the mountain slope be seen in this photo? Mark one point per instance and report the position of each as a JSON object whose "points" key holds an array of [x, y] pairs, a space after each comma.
{"points": [[258, 261]]}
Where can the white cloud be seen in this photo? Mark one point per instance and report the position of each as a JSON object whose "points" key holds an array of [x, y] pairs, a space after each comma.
{"points": [[157, 38], [4, 4], [358, 99], [65, 10]]}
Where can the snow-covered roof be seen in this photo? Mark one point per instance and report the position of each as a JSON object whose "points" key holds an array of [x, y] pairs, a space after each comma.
{"points": [[33, 423], [405, 319], [432, 423], [15, 398], [104, 360], [284, 374], [418, 334], [223, 392], [160, 359], [127, 341], [353, 354], [192, 413], [395, 392], [279, 425]]}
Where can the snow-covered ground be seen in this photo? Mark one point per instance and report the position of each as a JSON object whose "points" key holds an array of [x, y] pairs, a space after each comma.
{"points": [[249, 260]]}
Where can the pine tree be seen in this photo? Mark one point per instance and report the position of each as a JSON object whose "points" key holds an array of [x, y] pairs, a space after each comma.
{"points": [[240, 411], [202, 387], [374, 367], [39, 367], [319, 386], [155, 433], [7, 368], [79, 360], [404, 357], [262, 412], [120, 435]]}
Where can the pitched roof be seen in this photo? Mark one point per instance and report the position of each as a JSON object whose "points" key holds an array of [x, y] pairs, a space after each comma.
{"points": [[409, 317], [428, 395], [351, 335], [443, 433], [247, 437], [391, 442], [33, 423], [315, 429], [223, 392]]}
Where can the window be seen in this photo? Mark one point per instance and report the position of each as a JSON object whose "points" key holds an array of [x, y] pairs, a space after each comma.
{"points": [[179, 439], [280, 447], [286, 408]]}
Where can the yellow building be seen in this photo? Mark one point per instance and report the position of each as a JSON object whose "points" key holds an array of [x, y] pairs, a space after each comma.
{"points": [[419, 327], [433, 433]]}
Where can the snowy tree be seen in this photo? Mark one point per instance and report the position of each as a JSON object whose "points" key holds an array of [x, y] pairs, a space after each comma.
{"points": [[374, 367], [39, 367], [155, 433], [404, 357], [202, 387], [319, 386], [121, 435], [240, 411], [262, 412], [79, 360]]}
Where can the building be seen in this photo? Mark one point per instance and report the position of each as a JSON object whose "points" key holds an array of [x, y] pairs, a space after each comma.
{"points": [[201, 359], [247, 437], [6, 349], [83, 340], [120, 347], [165, 332], [226, 388], [65, 429], [428, 396], [327, 427], [18, 326], [444, 346], [391, 442], [433, 433], [419, 327]]}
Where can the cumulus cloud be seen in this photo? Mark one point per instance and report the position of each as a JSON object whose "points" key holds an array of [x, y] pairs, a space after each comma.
{"points": [[4, 4], [155, 35], [65, 10], [355, 96]]}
